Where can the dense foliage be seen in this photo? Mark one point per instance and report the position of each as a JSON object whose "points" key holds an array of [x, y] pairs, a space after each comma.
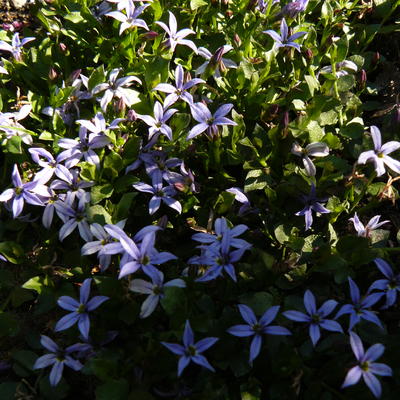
{"points": [[198, 200]]}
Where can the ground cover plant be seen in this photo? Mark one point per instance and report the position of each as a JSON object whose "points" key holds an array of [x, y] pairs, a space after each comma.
{"points": [[198, 199]]}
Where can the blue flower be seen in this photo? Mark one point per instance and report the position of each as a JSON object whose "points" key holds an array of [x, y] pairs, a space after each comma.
{"points": [[366, 367], [191, 351], [312, 203], [155, 290], [16, 45], [390, 286], [315, 318], [257, 328], [80, 310], [209, 122], [358, 310], [284, 40], [57, 358]]}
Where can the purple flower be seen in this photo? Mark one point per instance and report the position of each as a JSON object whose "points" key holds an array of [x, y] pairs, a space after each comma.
{"points": [[379, 156], [82, 147], [359, 309], [11, 127], [175, 37], [159, 193], [215, 62], [72, 183], [191, 351], [138, 256], [98, 246], [312, 203], [316, 149], [154, 289], [49, 165], [74, 218], [207, 121], [257, 328], [241, 198], [158, 123], [117, 88], [58, 358], [293, 8], [367, 368], [32, 192], [130, 19], [315, 318], [79, 309], [365, 231], [180, 90], [390, 285], [15, 48], [284, 40], [98, 126]]}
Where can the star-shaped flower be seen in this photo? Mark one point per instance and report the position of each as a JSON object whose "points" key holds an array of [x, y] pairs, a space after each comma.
{"points": [[191, 351], [379, 156]]}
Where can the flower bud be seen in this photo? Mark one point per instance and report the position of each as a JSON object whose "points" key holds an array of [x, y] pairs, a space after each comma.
{"points": [[362, 78], [151, 35], [309, 54], [375, 58], [395, 120], [75, 75], [63, 47], [120, 105], [131, 115], [228, 13], [237, 40], [52, 74], [162, 222]]}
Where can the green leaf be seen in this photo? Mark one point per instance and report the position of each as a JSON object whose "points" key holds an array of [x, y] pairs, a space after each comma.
{"points": [[9, 324], [124, 205], [259, 302], [20, 295], [256, 179], [113, 164], [345, 83], [195, 4], [113, 389], [312, 83], [96, 77], [101, 192], [38, 283], [315, 132], [8, 390], [174, 300], [13, 145], [75, 17], [12, 251], [99, 214], [24, 360]]}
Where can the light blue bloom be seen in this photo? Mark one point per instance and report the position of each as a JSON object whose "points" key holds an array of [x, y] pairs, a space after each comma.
{"points": [[257, 328], [315, 318], [284, 40], [58, 358], [359, 309], [367, 368], [79, 309], [191, 351]]}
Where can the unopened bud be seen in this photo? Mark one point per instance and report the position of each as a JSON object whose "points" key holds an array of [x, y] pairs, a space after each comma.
{"points": [[375, 58], [309, 54], [396, 118], [151, 35], [75, 75], [237, 39], [362, 78], [285, 120], [63, 47], [131, 115], [228, 13], [251, 4], [7, 27], [180, 186], [52, 74], [120, 105]]}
